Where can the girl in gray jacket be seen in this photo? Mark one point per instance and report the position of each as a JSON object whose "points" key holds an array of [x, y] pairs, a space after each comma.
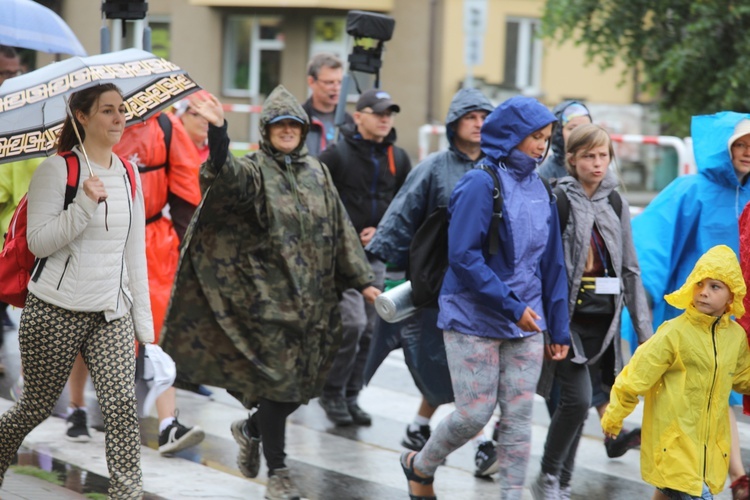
{"points": [[603, 275]]}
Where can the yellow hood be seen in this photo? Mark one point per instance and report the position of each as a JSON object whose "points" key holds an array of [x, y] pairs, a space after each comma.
{"points": [[719, 263]]}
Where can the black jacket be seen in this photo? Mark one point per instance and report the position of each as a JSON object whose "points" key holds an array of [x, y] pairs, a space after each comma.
{"points": [[365, 178], [316, 136]]}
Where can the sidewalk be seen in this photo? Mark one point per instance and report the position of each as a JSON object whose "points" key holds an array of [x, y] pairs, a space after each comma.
{"points": [[23, 487]]}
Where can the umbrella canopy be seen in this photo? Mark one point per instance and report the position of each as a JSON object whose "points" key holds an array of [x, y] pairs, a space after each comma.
{"points": [[32, 106], [27, 24]]}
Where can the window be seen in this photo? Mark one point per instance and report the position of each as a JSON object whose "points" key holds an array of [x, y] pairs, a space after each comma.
{"points": [[328, 34], [252, 55], [160, 38], [523, 55]]}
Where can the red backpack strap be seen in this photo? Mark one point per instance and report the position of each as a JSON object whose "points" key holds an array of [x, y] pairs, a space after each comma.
{"points": [[131, 175], [73, 164]]}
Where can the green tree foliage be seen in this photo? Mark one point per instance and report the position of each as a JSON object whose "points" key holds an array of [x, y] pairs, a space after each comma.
{"points": [[693, 56]]}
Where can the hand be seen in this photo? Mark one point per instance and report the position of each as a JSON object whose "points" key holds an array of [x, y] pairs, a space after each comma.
{"points": [[93, 187], [370, 294], [556, 352], [611, 436], [366, 235], [209, 108], [527, 323]]}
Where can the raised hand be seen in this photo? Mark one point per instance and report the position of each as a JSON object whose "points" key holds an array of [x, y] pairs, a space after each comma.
{"points": [[209, 108]]}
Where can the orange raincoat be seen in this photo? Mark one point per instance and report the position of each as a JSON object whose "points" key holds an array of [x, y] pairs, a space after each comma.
{"points": [[144, 145]]}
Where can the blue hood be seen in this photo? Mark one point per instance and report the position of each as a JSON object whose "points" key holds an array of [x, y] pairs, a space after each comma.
{"points": [[465, 101], [510, 123], [710, 135]]}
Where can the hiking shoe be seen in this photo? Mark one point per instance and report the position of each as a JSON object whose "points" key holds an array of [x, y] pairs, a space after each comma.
{"points": [[486, 460], [565, 492], [177, 437], [741, 488], [546, 487], [248, 459], [281, 487], [336, 410], [625, 441], [359, 416], [415, 440], [78, 429]]}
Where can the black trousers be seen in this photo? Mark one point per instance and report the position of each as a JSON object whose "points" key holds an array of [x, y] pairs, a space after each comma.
{"points": [[270, 422]]}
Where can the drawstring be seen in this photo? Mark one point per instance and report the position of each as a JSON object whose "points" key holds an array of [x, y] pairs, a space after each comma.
{"points": [[295, 194], [391, 161]]}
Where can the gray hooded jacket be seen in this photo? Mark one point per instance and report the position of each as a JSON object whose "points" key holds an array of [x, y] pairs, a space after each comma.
{"points": [[428, 186], [618, 238]]}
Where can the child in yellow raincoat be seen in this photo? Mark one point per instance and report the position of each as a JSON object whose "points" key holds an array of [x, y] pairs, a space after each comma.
{"points": [[686, 371]]}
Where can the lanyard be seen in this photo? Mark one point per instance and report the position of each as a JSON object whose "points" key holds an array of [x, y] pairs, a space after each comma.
{"points": [[602, 253]]}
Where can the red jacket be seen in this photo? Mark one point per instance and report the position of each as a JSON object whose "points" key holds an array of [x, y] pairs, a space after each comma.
{"points": [[144, 145]]}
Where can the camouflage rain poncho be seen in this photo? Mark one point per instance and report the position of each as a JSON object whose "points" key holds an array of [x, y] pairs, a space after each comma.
{"points": [[254, 308]]}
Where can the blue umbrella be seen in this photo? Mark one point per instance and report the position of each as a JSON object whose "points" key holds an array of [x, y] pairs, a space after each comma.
{"points": [[27, 24]]}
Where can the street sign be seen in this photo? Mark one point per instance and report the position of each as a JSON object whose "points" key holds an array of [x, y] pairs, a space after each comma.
{"points": [[475, 24]]}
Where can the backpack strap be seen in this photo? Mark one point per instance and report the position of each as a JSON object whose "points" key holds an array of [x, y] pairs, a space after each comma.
{"points": [[616, 201], [131, 175], [166, 127], [563, 206], [391, 161], [497, 209], [73, 164]]}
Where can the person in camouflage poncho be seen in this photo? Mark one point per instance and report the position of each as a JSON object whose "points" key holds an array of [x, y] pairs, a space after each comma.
{"points": [[254, 308]]}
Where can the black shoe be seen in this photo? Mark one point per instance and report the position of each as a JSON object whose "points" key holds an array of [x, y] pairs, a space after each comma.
{"points": [[486, 460], [248, 459], [78, 429], [625, 441], [415, 440], [336, 410], [177, 437], [359, 416]]}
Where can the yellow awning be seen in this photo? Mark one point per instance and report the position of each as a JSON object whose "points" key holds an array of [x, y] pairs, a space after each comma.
{"points": [[372, 5]]}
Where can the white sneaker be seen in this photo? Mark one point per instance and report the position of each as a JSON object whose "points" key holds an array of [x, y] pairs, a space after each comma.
{"points": [[546, 487]]}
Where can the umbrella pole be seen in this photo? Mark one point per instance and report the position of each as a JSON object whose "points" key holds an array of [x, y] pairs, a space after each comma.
{"points": [[78, 135]]}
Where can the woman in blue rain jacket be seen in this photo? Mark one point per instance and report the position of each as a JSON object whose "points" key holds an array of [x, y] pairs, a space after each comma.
{"points": [[495, 308]]}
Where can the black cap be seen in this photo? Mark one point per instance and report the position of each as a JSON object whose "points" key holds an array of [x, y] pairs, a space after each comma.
{"points": [[378, 100]]}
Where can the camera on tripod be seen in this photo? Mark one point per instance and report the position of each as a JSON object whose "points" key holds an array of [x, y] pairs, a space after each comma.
{"points": [[370, 32]]}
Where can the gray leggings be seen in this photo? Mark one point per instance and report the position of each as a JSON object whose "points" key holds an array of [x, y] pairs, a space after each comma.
{"points": [[486, 372]]}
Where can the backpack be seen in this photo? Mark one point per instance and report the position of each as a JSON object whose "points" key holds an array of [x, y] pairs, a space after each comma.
{"points": [[563, 206], [428, 252], [17, 263]]}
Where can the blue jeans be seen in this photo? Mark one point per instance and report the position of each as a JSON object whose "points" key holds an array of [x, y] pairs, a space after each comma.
{"points": [[678, 495]]}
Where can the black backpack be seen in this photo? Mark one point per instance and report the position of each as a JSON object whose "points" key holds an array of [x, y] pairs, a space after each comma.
{"points": [[428, 252], [563, 206]]}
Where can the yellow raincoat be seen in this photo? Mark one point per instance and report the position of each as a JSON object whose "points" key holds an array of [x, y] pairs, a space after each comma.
{"points": [[686, 371]]}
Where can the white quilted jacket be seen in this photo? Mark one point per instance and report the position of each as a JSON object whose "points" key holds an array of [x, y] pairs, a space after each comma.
{"points": [[90, 266]]}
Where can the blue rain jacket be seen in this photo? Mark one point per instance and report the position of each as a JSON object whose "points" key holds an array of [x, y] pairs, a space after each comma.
{"points": [[486, 295], [692, 214]]}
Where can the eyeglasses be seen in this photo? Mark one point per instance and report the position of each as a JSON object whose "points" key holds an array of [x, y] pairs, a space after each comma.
{"points": [[383, 114], [329, 83], [740, 146], [11, 73]]}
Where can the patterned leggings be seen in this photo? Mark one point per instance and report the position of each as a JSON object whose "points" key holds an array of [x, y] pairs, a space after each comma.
{"points": [[486, 372], [50, 338]]}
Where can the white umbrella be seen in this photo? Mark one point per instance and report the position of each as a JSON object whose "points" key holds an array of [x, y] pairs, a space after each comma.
{"points": [[32, 106]]}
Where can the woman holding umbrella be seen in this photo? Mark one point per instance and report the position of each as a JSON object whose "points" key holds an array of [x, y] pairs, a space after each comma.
{"points": [[89, 291]]}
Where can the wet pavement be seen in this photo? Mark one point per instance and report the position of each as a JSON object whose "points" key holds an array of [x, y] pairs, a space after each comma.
{"points": [[327, 463]]}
